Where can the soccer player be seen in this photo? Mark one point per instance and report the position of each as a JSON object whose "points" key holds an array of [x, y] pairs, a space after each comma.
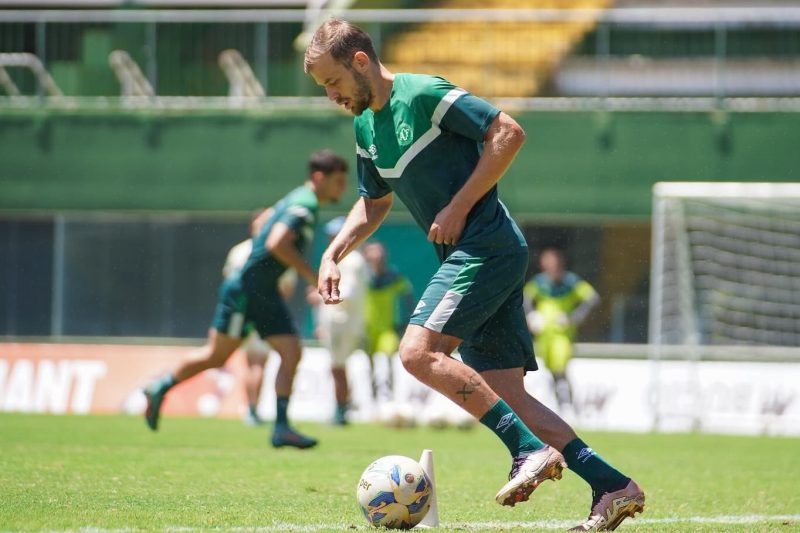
{"points": [[255, 349], [340, 328], [250, 300], [442, 151], [390, 300], [557, 301]]}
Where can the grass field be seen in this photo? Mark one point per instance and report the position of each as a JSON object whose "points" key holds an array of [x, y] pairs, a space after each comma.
{"points": [[60, 473]]}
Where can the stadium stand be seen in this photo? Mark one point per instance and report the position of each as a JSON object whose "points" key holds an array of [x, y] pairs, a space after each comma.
{"points": [[243, 83], [502, 59], [706, 48], [132, 81], [32, 63]]}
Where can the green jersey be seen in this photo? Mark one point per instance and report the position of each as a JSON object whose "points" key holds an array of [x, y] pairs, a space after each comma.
{"points": [[423, 145], [298, 210]]}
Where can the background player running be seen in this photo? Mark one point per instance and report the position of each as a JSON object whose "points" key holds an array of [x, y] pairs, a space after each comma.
{"points": [[251, 300]]}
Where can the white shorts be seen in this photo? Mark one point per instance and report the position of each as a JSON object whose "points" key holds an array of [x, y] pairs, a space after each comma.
{"points": [[341, 344]]}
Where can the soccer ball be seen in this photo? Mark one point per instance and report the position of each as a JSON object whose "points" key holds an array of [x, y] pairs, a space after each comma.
{"points": [[394, 492]]}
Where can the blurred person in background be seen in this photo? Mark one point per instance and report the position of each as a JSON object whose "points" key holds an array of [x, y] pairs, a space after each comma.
{"points": [[390, 301], [556, 302], [250, 299], [340, 328], [255, 349], [442, 151]]}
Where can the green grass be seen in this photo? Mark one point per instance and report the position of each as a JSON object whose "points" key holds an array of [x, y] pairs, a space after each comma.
{"points": [[73, 473]]}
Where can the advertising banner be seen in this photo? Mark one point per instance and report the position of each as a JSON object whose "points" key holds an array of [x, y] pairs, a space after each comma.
{"points": [[608, 394]]}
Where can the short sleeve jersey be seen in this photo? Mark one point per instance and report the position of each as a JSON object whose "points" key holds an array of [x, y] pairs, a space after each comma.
{"points": [[298, 210], [423, 145]]}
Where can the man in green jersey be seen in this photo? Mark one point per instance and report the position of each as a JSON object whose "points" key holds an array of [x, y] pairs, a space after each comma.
{"points": [[250, 298], [556, 302], [442, 151]]}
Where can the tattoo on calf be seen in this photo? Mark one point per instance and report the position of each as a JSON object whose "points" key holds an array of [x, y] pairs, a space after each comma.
{"points": [[469, 387]]}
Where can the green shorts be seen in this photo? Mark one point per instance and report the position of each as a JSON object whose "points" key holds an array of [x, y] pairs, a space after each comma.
{"points": [[479, 300], [240, 311]]}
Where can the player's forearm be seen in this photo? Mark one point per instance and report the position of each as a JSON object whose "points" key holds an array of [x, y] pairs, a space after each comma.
{"points": [[362, 221], [290, 257], [502, 143], [582, 311]]}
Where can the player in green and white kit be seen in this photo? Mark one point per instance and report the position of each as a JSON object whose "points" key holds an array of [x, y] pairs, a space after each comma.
{"points": [[442, 151], [250, 299]]}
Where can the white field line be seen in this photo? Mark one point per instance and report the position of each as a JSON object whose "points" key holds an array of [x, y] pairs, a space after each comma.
{"points": [[466, 526]]}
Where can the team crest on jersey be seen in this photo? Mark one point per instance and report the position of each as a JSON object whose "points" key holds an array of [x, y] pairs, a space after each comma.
{"points": [[373, 151], [404, 134]]}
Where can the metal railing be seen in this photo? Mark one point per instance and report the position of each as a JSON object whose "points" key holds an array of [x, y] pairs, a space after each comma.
{"points": [[684, 57]]}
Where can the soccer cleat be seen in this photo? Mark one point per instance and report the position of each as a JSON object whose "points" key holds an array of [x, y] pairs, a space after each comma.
{"points": [[528, 472], [153, 410], [612, 508], [340, 418], [289, 437]]}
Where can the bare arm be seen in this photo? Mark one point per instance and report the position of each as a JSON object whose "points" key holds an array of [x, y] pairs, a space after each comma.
{"points": [[280, 243], [502, 141], [258, 223], [362, 221], [580, 313]]}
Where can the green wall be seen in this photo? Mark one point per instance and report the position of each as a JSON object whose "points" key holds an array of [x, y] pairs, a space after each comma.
{"points": [[574, 165]]}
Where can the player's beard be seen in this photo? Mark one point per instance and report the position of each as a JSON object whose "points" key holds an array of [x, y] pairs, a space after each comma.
{"points": [[363, 94]]}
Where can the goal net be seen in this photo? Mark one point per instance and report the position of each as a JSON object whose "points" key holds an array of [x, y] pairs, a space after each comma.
{"points": [[725, 264], [725, 290]]}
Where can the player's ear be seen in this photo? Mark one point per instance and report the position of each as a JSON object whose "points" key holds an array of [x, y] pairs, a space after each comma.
{"points": [[361, 61]]}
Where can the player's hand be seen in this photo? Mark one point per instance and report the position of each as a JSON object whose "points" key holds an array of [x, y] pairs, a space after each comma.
{"points": [[447, 226], [312, 296], [535, 322], [328, 283]]}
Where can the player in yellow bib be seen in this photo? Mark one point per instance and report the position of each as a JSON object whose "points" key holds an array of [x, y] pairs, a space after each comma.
{"points": [[390, 301], [557, 301]]}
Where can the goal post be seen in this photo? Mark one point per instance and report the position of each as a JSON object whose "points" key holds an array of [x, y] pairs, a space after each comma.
{"points": [[725, 279], [725, 264]]}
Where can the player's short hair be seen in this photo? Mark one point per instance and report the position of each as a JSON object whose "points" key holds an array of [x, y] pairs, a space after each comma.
{"points": [[327, 162], [342, 39]]}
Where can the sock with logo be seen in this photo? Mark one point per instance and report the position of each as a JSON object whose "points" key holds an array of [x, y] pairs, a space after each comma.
{"points": [[161, 385], [281, 420], [585, 462], [253, 410], [507, 425]]}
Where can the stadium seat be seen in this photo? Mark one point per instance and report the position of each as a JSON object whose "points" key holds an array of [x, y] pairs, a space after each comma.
{"points": [[492, 58]]}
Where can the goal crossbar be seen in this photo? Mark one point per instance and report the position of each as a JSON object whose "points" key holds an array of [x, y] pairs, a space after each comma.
{"points": [[725, 189]]}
